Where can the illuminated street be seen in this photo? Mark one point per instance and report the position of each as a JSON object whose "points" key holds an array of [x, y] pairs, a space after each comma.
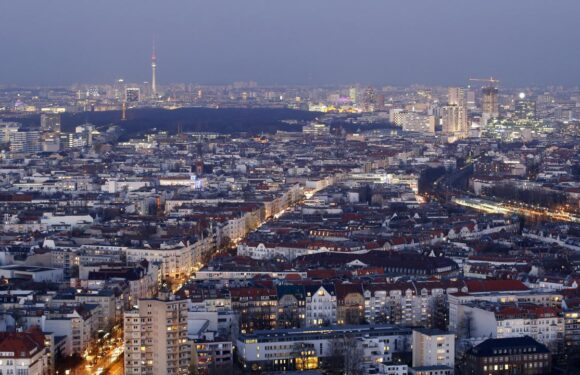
{"points": [[536, 212]]}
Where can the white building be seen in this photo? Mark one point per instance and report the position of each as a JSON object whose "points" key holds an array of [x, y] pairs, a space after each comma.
{"points": [[309, 348], [269, 251], [433, 347], [320, 305], [489, 320], [176, 260], [50, 219]]}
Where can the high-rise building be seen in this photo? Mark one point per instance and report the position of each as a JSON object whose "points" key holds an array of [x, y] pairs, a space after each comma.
{"points": [[396, 116], [380, 102], [154, 73], [352, 94], [454, 121], [369, 100], [490, 106], [155, 338], [50, 122], [456, 96], [524, 109], [470, 99], [132, 94]]}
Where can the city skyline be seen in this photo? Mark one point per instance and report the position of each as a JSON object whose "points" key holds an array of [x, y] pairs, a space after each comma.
{"points": [[522, 42]]}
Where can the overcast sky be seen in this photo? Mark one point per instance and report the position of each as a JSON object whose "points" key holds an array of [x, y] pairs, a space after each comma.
{"points": [[51, 42]]}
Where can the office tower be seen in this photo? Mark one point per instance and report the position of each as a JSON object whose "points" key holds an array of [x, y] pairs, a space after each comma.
{"points": [[25, 141], [380, 102], [456, 96], [118, 89], [369, 99], [433, 347], [154, 73], [132, 94], [545, 104], [524, 109], [352, 94], [490, 107], [155, 338], [50, 122], [470, 99]]}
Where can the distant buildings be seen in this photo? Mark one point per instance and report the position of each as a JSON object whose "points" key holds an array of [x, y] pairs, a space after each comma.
{"points": [[50, 122], [132, 94], [524, 108], [316, 129], [25, 141]]}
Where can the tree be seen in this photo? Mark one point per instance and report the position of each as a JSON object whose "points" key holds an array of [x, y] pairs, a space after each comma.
{"points": [[346, 356]]}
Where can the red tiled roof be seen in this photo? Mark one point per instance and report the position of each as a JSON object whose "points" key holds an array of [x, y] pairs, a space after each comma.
{"points": [[481, 286], [22, 344]]}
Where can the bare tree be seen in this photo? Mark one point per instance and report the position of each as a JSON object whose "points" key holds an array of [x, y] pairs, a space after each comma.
{"points": [[346, 356]]}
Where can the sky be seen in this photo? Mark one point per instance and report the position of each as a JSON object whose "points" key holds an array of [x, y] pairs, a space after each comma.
{"points": [[318, 42]]}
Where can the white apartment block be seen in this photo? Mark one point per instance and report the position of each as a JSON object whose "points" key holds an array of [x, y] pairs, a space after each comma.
{"points": [[433, 347]]}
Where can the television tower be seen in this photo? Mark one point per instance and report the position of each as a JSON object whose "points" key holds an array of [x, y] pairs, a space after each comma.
{"points": [[153, 72]]}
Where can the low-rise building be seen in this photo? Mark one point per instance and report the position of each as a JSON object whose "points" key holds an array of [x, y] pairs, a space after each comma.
{"points": [[516, 355]]}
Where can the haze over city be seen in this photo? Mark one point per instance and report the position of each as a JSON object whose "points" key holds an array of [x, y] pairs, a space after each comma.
{"points": [[324, 42]]}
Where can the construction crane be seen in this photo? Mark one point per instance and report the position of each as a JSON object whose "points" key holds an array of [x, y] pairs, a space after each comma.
{"points": [[491, 80]]}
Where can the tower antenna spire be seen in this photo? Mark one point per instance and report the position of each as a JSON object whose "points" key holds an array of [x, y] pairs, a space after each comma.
{"points": [[154, 71]]}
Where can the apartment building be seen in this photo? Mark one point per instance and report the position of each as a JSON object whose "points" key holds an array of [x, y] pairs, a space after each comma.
{"points": [[155, 337]]}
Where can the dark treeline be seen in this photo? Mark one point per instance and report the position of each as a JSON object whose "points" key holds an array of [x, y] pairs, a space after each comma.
{"points": [[223, 120], [227, 120], [528, 196]]}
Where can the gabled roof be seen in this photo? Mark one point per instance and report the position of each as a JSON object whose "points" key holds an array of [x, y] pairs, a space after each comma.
{"points": [[344, 289], [22, 344]]}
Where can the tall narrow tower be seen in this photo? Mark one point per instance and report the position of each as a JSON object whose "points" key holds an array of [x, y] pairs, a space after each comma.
{"points": [[153, 73]]}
